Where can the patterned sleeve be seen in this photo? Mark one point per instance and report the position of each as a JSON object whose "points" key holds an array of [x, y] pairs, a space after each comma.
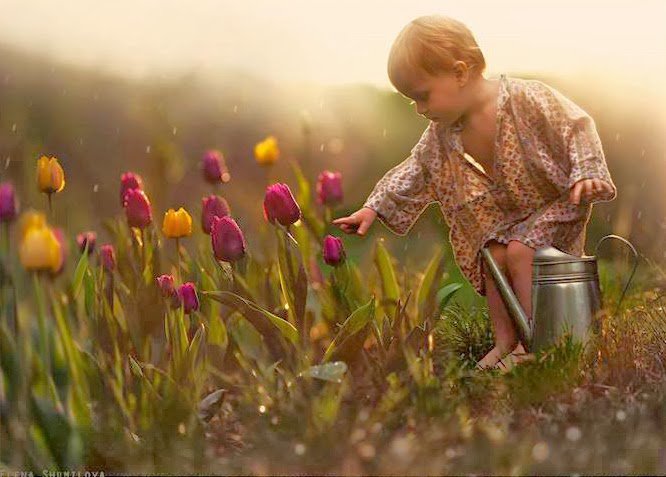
{"points": [[574, 131], [403, 193]]}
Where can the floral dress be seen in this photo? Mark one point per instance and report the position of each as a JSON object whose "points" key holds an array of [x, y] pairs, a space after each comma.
{"points": [[544, 144]]}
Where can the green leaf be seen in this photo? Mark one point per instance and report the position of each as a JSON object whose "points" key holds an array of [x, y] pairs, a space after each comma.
{"points": [[247, 338], [210, 405], [80, 271], [390, 286], [427, 290], [356, 322], [446, 293], [328, 371]]}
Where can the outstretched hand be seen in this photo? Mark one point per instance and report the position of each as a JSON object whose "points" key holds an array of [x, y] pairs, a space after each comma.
{"points": [[359, 222], [588, 189]]}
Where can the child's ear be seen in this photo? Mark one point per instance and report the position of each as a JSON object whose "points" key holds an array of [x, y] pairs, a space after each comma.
{"points": [[461, 72]]}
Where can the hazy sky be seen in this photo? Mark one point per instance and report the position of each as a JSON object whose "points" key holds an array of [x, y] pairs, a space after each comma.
{"points": [[338, 41]]}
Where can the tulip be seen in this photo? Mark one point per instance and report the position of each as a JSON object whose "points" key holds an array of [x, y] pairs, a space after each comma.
{"points": [[86, 238], [165, 282], [329, 188], [8, 203], [214, 167], [227, 239], [40, 249], [60, 236], [31, 219], [129, 180], [280, 205], [50, 175], [108, 257], [187, 296], [137, 208], [212, 206], [177, 224], [333, 251], [267, 152]]}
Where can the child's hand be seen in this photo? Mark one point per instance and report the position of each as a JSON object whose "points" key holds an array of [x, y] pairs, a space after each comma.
{"points": [[590, 188], [359, 222]]}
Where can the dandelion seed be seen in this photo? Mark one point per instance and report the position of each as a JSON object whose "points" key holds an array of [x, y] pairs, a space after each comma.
{"points": [[274, 420], [450, 453], [7, 161], [14, 127], [262, 409], [174, 131], [235, 108], [80, 141], [147, 149], [95, 187], [366, 451], [540, 451], [384, 132], [299, 448], [617, 136], [574, 434], [181, 428], [357, 435], [321, 148], [620, 415], [363, 415]]}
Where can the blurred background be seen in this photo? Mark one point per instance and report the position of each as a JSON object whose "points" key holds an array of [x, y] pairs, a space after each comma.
{"points": [[149, 86]]}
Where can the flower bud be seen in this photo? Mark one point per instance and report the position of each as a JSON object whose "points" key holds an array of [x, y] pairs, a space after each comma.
{"points": [[267, 152], [8, 203], [329, 188], [333, 251], [50, 175], [177, 224], [31, 219], [137, 208], [227, 239], [129, 180], [108, 257], [214, 167], [212, 206], [89, 238], [280, 205], [165, 282], [187, 296]]}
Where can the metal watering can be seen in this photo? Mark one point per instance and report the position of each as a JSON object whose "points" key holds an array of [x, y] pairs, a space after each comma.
{"points": [[566, 296]]}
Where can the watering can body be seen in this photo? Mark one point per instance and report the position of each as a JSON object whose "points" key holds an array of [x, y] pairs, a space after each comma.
{"points": [[566, 297]]}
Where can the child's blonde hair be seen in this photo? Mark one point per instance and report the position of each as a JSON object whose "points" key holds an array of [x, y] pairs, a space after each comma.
{"points": [[433, 43]]}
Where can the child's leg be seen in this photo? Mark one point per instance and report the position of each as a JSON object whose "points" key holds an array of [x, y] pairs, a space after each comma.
{"points": [[519, 259], [505, 333]]}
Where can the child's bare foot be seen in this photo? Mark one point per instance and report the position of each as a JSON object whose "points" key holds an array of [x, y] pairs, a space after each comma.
{"points": [[517, 356], [490, 359]]}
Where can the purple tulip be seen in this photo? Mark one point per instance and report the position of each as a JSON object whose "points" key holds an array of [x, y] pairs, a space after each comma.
{"points": [[137, 208], [329, 188], [86, 238], [212, 206], [214, 168], [8, 203], [187, 296], [280, 205], [227, 239], [129, 180], [108, 257], [333, 251]]}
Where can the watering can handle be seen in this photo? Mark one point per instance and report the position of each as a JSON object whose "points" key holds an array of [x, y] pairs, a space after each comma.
{"points": [[633, 249]]}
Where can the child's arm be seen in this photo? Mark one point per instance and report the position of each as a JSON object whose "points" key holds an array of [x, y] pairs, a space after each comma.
{"points": [[402, 194], [572, 129]]}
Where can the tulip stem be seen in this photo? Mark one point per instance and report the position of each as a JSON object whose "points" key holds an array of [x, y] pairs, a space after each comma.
{"points": [[143, 251], [41, 322], [51, 206], [180, 276]]}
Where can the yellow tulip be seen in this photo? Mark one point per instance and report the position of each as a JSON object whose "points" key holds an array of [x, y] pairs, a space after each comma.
{"points": [[50, 176], [177, 224], [40, 249], [267, 152], [31, 219]]}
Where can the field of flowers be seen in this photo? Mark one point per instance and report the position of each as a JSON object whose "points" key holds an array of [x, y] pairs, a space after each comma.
{"points": [[147, 356]]}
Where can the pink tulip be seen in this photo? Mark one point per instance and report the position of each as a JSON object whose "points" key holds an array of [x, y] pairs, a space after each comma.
{"points": [[165, 283], [137, 208], [212, 206], [227, 239], [187, 296], [214, 168], [86, 238], [8, 203], [280, 205], [129, 180], [333, 251], [108, 257], [329, 188]]}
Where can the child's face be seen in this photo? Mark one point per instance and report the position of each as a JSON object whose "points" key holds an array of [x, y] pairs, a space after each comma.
{"points": [[439, 98]]}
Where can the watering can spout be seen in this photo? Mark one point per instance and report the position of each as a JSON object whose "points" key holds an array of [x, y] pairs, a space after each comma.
{"points": [[516, 311]]}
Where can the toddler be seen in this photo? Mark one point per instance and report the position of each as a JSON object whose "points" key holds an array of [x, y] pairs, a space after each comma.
{"points": [[513, 163]]}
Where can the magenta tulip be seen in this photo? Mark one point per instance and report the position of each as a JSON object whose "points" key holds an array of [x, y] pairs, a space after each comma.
{"points": [[214, 168], [187, 296], [280, 205], [212, 206], [333, 251], [108, 257], [227, 239], [129, 180], [8, 203], [88, 238], [329, 188], [137, 208]]}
